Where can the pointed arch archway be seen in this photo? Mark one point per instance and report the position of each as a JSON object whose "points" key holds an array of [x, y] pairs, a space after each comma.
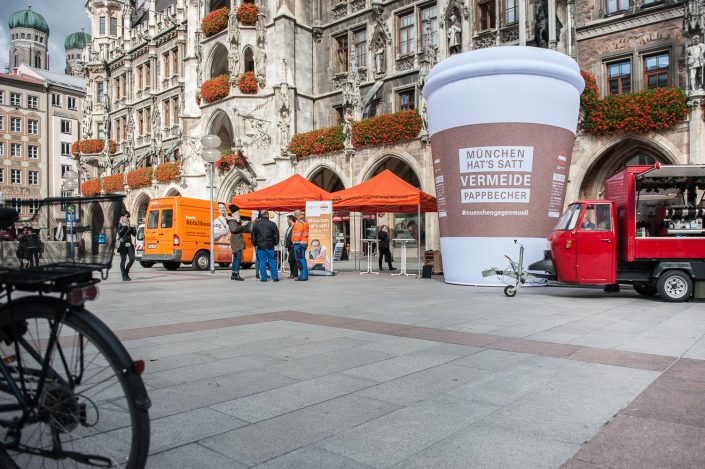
{"points": [[626, 152], [398, 166], [217, 4], [249, 56], [221, 126], [173, 192], [218, 61], [140, 207], [327, 179]]}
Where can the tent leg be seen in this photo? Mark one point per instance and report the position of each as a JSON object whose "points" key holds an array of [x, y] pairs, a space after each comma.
{"points": [[418, 240]]}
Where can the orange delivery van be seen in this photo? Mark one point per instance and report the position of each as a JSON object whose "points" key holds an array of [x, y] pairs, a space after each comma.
{"points": [[177, 231]]}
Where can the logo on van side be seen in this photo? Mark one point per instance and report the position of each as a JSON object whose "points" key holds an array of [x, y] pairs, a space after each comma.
{"points": [[197, 223]]}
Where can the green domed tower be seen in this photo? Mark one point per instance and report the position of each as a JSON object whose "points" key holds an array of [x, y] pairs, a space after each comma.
{"points": [[74, 45], [29, 37]]}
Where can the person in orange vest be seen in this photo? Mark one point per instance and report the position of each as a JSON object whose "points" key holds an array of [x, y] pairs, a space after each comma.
{"points": [[299, 236]]}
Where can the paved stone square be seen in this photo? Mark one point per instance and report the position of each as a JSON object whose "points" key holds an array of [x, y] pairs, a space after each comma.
{"points": [[361, 371]]}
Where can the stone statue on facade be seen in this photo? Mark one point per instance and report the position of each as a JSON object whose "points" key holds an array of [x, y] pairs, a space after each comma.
{"points": [[694, 18], [380, 50], [541, 25], [347, 131], [261, 31], [696, 60], [197, 54], [234, 65], [156, 135], [233, 29], [261, 67], [87, 124], [455, 35]]}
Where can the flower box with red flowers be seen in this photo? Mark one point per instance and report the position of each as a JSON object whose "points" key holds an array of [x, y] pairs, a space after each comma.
{"points": [[385, 129], [114, 183], [230, 159], [140, 177], [92, 146], [167, 172], [215, 89], [247, 13], [215, 22], [635, 113], [90, 187], [247, 83]]}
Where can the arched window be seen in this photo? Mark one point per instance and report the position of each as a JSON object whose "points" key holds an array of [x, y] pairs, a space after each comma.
{"points": [[22, 35], [249, 60], [17, 60], [37, 61]]}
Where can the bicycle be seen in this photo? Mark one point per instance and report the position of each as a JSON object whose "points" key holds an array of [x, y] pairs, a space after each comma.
{"points": [[70, 394]]}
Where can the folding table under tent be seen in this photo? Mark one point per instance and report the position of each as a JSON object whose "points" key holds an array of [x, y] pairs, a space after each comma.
{"points": [[388, 193], [285, 196]]}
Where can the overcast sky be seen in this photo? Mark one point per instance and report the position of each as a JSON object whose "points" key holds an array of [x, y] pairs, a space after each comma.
{"points": [[63, 17]]}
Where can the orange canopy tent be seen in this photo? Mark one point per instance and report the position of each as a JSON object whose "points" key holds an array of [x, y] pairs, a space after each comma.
{"points": [[385, 192], [285, 196]]}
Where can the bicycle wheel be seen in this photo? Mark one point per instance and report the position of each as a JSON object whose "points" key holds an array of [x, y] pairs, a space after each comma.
{"points": [[92, 409]]}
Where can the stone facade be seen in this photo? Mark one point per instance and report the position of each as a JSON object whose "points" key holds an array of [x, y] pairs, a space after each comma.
{"points": [[317, 61]]}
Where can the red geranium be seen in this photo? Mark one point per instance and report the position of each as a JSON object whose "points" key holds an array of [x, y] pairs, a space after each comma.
{"points": [[140, 177], [247, 83], [114, 183], [230, 159], [90, 187], [385, 129], [92, 146], [635, 113], [247, 14], [167, 172], [215, 89], [215, 21]]}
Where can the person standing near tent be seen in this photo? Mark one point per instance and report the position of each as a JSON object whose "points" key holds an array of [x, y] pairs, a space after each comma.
{"points": [[237, 243], [299, 236], [265, 237], [289, 245], [384, 251]]}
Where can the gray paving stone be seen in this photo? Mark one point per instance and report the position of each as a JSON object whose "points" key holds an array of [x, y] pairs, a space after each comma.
{"points": [[491, 359], [262, 441], [311, 457], [478, 447], [155, 364], [190, 457], [506, 386], [209, 369], [426, 383], [399, 345], [398, 435], [261, 346], [327, 363], [197, 394], [317, 348], [402, 365], [286, 399]]}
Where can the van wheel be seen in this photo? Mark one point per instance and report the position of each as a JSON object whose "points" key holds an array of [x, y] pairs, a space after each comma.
{"points": [[246, 265], [646, 290], [146, 264], [202, 261], [170, 265], [674, 286]]}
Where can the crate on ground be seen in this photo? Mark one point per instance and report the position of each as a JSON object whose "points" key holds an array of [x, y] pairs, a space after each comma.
{"points": [[433, 259]]}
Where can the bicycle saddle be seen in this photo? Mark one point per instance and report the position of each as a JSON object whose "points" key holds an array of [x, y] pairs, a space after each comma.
{"points": [[8, 216]]}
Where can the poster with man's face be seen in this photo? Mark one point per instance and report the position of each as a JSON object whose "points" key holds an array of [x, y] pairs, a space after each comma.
{"points": [[319, 215]]}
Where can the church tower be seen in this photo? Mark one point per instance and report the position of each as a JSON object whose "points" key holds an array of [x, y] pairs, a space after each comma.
{"points": [[74, 45], [29, 39]]}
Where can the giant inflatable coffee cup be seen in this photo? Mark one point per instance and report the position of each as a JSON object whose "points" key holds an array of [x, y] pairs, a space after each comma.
{"points": [[502, 122]]}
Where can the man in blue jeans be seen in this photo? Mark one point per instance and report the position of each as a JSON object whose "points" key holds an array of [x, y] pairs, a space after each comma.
{"points": [[265, 236]]}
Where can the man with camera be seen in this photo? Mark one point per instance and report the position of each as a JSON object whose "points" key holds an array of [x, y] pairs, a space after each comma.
{"points": [[237, 243]]}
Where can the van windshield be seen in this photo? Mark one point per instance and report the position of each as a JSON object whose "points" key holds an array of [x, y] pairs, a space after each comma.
{"points": [[569, 218], [153, 219]]}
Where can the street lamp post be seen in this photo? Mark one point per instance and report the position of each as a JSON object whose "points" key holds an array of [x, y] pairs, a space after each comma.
{"points": [[210, 154]]}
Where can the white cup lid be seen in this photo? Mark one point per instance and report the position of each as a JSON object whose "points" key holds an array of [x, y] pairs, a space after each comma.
{"points": [[507, 60]]}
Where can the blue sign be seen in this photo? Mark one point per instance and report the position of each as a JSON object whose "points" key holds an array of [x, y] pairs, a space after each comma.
{"points": [[70, 217], [100, 238]]}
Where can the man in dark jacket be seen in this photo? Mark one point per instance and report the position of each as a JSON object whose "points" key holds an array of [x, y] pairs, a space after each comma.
{"points": [[237, 242], [265, 237], [384, 247], [126, 248]]}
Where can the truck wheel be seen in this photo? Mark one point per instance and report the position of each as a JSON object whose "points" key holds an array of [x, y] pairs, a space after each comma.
{"points": [[202, 261], [646, 290], [170, 265], [247, 265], [146, 264], [674, 286]]}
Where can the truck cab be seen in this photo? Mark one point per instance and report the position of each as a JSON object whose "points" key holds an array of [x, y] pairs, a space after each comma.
{"points": [[648, 232]]}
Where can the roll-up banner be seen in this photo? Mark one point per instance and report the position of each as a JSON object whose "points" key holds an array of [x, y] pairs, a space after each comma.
{"points": [[502, 122], [319, 215]]}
